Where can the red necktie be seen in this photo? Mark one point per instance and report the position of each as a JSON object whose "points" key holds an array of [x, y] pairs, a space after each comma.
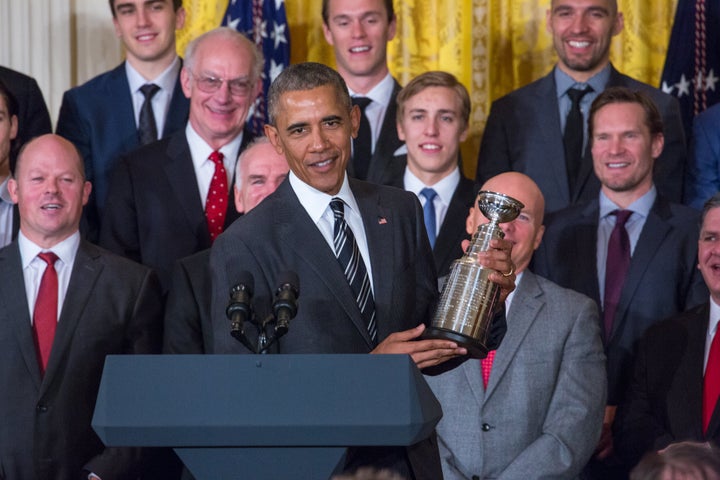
{"points": [[616, 267], [711, 386], [486, 366], [216, 204], [45, 314]]}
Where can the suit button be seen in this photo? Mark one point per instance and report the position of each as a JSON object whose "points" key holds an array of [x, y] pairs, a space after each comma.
{"points": [[486, 427], [41, 408]]}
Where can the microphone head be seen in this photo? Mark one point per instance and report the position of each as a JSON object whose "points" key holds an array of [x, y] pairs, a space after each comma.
{"points": [[290, 279], [246, 281]]}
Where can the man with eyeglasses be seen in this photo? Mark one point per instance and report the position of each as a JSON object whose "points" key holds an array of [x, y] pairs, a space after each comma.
{"points": [[171, 198], [137, 102]]}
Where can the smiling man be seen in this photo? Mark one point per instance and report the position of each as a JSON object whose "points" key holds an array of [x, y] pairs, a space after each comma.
{"points": [[360, 250], [433, 116], [541, 128], [359, 31], [172, 198], [631, 250], [137, 102]]}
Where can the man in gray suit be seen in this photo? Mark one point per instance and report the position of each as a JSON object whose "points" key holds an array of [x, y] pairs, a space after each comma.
{"points": [[64, 305], [527, 129], [534, 407]]}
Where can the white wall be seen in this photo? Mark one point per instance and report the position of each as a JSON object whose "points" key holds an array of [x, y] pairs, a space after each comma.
{"points": [[62, 43]]}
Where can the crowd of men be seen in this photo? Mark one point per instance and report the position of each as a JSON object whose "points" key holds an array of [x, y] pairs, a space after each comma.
{"points": [[128, 226]]}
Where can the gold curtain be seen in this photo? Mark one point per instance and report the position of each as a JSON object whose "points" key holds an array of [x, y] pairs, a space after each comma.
{"points": [[492, 46]]}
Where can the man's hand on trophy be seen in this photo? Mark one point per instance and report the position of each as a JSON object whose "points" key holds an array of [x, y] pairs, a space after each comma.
{"points": [[498, 258], [425, 353]]}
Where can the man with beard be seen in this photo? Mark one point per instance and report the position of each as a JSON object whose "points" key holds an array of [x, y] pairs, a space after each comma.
{"points": [[540, 130], [630, 249]]}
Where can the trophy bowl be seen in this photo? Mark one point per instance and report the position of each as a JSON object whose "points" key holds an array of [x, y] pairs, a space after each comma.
{"points": [[468, 301]]}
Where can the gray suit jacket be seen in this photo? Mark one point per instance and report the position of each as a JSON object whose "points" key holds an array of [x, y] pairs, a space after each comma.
{"points": [[542, 411], [523, 135], [113, 306], [278, 235]]}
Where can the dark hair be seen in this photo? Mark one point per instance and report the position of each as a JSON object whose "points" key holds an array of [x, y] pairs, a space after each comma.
{"points": [[701, 460], [306, 76], [435, 79], [326, 10], [12, 107], [653, 119], [176, 6], [712, 202]]}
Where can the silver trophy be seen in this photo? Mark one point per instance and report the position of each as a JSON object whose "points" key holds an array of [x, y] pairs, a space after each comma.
{"points": [[469, 299]]}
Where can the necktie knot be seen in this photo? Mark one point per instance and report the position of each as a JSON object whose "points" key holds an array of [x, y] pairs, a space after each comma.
{"points": [[621, 217], [576, 94], [429, 194], [338, 208], [361, 102], [48, 257], [217, 158], [149, 90]]}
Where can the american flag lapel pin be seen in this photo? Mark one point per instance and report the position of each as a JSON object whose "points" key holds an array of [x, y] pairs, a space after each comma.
{"points": [[382, 220]]}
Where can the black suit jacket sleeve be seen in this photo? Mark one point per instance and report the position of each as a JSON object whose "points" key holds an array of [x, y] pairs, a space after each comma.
{"points": [[143, 335]]}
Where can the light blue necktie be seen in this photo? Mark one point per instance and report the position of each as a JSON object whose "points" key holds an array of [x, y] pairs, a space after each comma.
{"points": [[429, 213]]}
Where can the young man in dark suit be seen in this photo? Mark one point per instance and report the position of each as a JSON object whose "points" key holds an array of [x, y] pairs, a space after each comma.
{"points": [[64, 305]]}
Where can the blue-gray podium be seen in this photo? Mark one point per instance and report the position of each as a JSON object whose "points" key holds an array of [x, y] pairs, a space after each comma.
{"points": [[263, 416]]}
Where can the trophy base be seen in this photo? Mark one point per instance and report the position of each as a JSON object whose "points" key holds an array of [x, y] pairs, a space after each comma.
{"points": [[475, 348]]}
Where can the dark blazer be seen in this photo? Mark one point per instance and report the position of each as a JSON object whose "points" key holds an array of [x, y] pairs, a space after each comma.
{"points": [[33, 115], [154, 213], [113, 306], [663, 278], [523, 135], [664, 401], [452, 231], [278, 235], [98, 117], [387, 143], [187, 311]]}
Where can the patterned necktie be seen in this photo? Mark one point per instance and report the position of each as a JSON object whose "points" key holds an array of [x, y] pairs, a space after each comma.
{"points": [[362, 145], [217, 197], [486, 366], [46, 308], [147, 129], [351, 261], [711, 384], [429, 214], [573, 136], [616, 267]]}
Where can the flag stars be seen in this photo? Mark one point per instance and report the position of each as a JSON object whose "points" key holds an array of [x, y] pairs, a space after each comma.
{"points": [[683, 86]]}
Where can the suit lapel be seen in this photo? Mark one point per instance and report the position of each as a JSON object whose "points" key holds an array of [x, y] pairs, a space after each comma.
{"points": [[178, 111], [586, 247], [14, 306], [472, 372], [180, 174], [82, 281], [387, 142], [524, 309], [452, 231], [316, 253], [545, 110], [653, 234], [692, 381], [117, 91]]}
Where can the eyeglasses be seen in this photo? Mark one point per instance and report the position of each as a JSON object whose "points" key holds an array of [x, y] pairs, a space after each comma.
{"points": [[239, 87]]}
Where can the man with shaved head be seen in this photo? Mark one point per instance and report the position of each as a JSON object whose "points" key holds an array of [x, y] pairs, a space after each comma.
{"points": [[534, 407], [541, 128], [65, 305]]}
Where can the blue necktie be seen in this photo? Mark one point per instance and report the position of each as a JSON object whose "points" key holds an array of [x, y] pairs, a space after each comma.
{"points": [[429, 213]]}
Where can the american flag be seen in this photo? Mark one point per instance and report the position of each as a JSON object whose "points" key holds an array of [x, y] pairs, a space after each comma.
{"points": [[265, 23], [692, 66]]}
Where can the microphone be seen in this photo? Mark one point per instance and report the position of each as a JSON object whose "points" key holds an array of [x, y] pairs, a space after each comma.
{"points": [[285, 305], [239, 310]]}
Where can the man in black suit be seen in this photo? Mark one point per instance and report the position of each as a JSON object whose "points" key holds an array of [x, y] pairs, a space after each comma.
{"points": [[312, 121], [77, 306], [626, 134], [359, 31], [260, 170], [433, 118], [168, 199], [9, 220], [525, 129], [138, 101], [33, 115], [664, 403]]}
